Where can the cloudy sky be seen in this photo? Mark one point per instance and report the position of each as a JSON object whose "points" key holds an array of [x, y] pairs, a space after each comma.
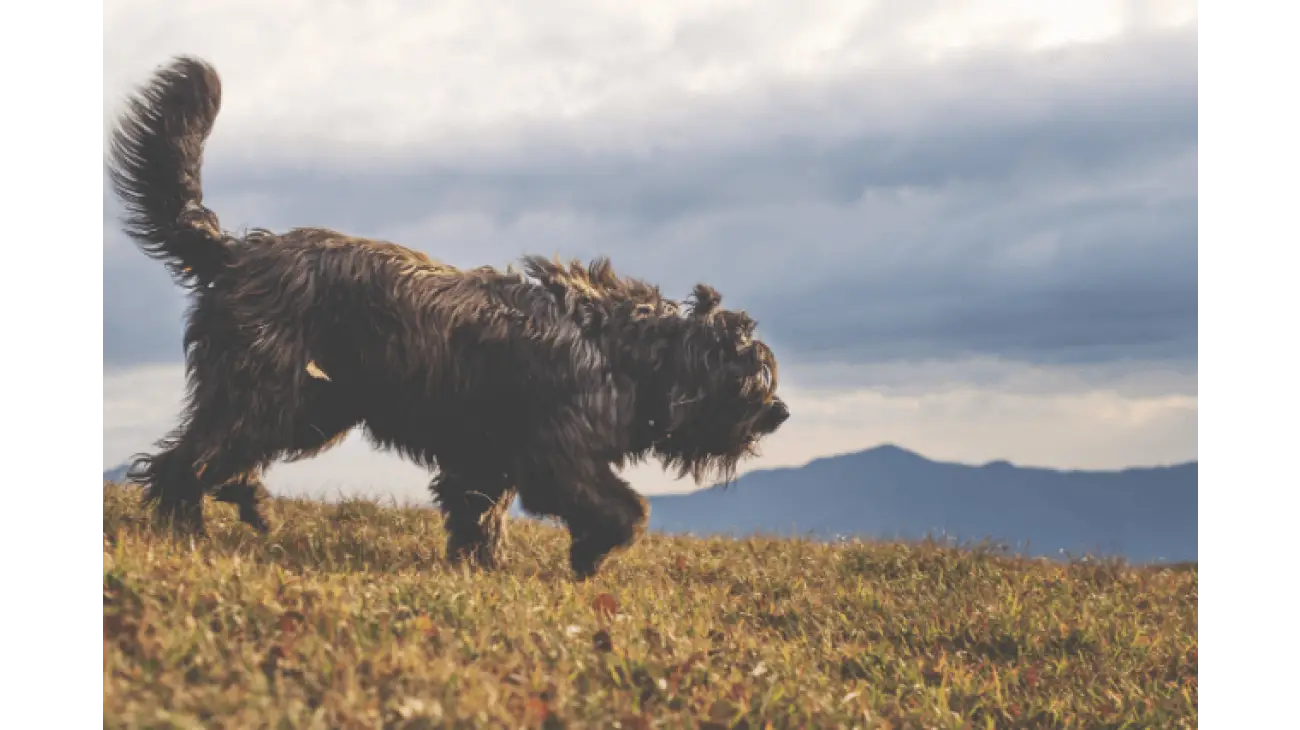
{"points": [[972, 233]]}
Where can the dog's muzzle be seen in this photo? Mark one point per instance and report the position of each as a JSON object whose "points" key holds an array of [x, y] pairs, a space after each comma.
{"points": [[777, 413]]}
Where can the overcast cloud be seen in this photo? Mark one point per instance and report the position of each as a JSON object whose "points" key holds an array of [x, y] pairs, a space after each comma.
{"points": [[972, 234]]}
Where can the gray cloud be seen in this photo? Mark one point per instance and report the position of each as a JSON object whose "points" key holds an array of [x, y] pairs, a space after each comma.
{"points": [[1083, 325], [1071, 113], [1037, 208], [143, 310]]}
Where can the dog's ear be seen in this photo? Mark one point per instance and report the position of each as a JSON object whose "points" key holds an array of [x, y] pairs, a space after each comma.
{"points": [[704, 300]]}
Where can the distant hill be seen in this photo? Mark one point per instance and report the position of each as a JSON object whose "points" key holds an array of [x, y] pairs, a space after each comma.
{"points": [[1143, 515], [887, 492], [116, 474]]}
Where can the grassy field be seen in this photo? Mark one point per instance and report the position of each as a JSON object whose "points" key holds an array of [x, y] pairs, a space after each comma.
{"points": [[345, 617]]}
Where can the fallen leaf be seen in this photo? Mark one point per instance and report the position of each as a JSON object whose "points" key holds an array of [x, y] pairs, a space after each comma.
{"points": [[605, 606], [291, 620], [1031, 676], [314, 370], [536, 709]]}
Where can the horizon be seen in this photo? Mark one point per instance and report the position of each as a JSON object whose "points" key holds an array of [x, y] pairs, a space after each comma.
{"points": [[694, 489], [970, 231]]}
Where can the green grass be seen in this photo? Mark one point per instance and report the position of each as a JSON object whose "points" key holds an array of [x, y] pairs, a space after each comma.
{"points": [[346, 617]]}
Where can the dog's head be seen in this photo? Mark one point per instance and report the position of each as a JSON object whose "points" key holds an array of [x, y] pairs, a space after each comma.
{"points": [[719, 396], [705, 388]]}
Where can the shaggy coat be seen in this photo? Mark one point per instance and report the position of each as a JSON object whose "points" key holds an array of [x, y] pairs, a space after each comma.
{"points": [[540, 384]]}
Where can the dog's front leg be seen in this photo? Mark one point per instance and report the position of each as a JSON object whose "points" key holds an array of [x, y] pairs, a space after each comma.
{"points": [[613, 519]]}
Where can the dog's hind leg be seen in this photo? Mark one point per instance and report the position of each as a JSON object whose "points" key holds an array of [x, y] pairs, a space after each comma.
{"points": [[323, 423], [194, 463], [231, 434], [248, 494], [171, 487], [474, 503]]}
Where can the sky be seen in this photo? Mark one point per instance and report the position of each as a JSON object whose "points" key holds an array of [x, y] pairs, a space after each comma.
{"points": [[970, 232]]}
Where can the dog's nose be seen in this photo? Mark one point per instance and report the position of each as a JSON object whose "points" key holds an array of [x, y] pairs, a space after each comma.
{"points": [[780, 412]]}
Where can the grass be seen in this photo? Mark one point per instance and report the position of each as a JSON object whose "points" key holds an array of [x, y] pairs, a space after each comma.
{"points": [[345, 617]]}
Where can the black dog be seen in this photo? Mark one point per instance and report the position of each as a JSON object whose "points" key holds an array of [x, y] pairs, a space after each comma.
{"points": [[505, 383]]}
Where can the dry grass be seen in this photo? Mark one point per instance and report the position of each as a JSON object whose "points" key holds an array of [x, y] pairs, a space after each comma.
{"points": [[345, 617]]}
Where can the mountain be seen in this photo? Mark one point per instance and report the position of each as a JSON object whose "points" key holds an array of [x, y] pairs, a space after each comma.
{"points": [[1143, 515], [116, 474]]}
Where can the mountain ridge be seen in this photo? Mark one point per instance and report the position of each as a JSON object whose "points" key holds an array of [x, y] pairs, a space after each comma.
{"points": [[1141, 513]]}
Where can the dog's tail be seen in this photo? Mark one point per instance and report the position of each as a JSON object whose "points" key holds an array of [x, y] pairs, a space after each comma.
{"points": [[155, 157]]}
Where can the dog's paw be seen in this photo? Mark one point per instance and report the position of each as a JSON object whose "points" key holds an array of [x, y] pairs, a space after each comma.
{"points": [[587, 554]]}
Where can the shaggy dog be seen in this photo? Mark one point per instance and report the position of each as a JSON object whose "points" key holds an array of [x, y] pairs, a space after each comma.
{"points": [[539, 384]]}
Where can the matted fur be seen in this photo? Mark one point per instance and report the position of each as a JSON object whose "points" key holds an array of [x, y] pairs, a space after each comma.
{"points": [[541, 383]]}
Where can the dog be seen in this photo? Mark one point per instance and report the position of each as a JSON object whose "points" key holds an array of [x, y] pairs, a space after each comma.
{"points": [[539, 383]]}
